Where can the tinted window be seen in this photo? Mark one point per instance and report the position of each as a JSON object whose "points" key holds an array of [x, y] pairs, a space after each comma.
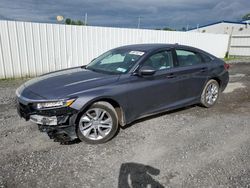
{"points": [[187, 58], [205, 58], [160, 61]]}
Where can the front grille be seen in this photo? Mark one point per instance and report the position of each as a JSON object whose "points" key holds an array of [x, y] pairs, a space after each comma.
{"points": [[57, 111]]}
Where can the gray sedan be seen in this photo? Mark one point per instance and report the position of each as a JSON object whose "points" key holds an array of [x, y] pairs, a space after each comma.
{"points": [[124, 84]]}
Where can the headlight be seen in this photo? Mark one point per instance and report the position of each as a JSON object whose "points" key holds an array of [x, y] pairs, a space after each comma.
{"points": [[54, 104]]}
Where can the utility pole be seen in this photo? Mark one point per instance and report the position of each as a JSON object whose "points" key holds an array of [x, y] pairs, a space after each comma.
{"points": [[197, 27], [139, 22], [86, 18], [229, 42]]}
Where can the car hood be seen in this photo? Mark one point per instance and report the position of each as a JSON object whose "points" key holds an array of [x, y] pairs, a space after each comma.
{"points": [[61, 84]]}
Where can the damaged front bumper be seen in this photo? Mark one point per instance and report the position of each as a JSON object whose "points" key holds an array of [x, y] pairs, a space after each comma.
{"points": [[48, 120], [59, 133], [58, 123]]}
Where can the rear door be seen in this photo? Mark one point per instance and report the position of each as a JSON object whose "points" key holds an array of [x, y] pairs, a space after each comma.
{"points": [[193, 73]]}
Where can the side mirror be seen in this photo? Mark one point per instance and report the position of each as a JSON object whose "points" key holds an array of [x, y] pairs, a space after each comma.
{"points": [[146, 71]]}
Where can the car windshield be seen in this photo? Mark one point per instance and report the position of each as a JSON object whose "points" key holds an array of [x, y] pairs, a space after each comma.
{"points": [[118, 61]]}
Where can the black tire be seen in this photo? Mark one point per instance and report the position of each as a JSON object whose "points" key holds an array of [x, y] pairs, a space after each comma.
{"points": [[115, 125], [204, 102]]}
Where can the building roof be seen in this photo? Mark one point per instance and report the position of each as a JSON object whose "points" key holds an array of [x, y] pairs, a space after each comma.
{"points": [[214, 23]]}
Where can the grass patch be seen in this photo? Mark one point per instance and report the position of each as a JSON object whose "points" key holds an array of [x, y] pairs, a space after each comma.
{"points": [[229, 58], [13, 79]]}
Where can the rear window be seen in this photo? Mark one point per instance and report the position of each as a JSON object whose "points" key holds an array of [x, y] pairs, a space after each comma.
{"points": [[205, 58], [187, 58]]}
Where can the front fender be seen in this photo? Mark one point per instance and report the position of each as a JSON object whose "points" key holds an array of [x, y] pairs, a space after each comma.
{"points": [[112, 96]]}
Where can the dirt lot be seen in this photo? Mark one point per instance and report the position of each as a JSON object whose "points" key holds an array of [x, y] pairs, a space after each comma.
{"points": [[192, 147]]}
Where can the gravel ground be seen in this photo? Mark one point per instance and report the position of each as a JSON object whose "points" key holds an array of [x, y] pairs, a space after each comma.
{"points": [[191, 147], [237, 60]]}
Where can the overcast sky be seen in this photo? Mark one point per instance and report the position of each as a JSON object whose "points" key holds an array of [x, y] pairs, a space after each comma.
{"points": [[124, 13]]}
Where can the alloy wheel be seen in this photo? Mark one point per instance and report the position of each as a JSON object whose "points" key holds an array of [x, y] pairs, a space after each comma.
{"points": [[212, 93], [95, 124]]}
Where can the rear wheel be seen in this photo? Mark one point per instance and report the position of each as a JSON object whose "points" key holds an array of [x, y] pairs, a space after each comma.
{"points": [[98, 124], [210, 93]]}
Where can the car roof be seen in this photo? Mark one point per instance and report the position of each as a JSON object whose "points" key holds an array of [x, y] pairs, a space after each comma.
{"points": [[146, 47], [155, 46]]}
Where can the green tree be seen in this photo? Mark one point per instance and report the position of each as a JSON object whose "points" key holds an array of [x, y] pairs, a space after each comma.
{"points": [[79, 22], [246, 17], [69, 21], [165, 29], [168, 29], [184, 29]]}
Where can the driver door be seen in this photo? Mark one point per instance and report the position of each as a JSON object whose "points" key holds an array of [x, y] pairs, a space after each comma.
{"points": [[153, 93]]}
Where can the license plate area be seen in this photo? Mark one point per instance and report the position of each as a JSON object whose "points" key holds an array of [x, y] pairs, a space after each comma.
{"points": [[43, 120]]}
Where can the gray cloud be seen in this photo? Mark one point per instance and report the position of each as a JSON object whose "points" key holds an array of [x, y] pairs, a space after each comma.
{"points": [[124, 13]]}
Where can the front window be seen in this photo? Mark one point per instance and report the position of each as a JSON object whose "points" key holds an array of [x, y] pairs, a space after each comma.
{"points": [[160, 61], [117, 61]]}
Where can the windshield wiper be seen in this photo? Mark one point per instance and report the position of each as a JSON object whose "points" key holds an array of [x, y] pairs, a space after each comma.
{"points": [[100, 70], [94, 70]]}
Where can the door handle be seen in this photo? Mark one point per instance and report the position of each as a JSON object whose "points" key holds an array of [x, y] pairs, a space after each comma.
{"points": [[204, 69], [171, 75]]}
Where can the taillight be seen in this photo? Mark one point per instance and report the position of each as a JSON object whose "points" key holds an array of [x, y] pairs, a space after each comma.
{"points": [[226, 66]]}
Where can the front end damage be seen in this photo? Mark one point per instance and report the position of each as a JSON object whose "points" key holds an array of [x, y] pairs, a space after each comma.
{"points": [[58, 123]]}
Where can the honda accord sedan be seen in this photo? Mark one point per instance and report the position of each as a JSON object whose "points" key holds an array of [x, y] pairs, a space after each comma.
{"points": [[124, 84]]}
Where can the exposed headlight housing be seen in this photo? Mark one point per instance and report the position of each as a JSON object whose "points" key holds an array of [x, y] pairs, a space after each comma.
{"points": [[54, 104]]}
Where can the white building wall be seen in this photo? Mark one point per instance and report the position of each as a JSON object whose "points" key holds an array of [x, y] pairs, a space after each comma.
{"points": [[225, 28], [31, 49], [240, 45]]}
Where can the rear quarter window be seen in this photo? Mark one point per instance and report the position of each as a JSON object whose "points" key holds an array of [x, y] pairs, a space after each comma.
{"points": [[205, 58], [187, 58]]}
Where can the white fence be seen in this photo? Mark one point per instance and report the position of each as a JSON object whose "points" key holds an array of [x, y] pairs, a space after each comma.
{"points": [[30, 49], [240, 45]]}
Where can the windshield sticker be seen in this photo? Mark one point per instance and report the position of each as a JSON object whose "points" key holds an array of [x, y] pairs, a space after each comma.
{"points": [[121, 69], [136, 53]]}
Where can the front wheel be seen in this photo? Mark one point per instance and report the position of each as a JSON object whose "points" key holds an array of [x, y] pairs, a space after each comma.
{"points": [[210, 93], [98, 124]]}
